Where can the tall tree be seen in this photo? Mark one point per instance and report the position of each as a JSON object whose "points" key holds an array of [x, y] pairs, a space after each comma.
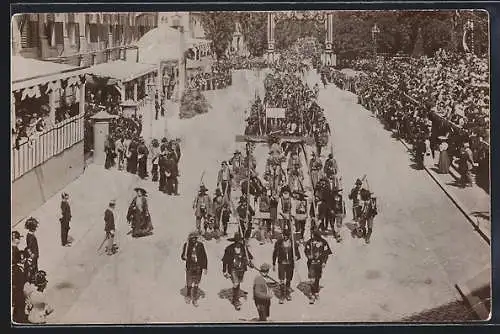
{"points": [[219, 28], [254, 30]]}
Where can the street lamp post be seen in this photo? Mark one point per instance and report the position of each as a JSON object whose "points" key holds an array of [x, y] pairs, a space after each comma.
{"points": [[375, 31]]}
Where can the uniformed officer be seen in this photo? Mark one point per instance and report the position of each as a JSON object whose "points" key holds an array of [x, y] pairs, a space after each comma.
{"points": [[193, 252], [285, 208], [284, 251], [109, 228], [300, 212], [234, 265], [317, 251]]}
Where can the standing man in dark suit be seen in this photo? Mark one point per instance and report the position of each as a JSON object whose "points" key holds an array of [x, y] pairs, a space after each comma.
{"points": [[109, 228], [65, 219], [193, 252]]}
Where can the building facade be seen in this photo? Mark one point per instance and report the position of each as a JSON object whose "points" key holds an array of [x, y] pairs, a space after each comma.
{"points": [[79, 39]]}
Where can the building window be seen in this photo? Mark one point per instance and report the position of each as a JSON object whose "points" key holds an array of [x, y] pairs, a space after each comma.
{"points": [[73, 33], [93, 33], [118, 34], [29, 34], [55, 33], [103, 33]]}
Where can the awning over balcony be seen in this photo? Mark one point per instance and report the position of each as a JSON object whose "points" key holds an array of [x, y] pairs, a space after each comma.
{"points": [[121, 71], [30, 74]]}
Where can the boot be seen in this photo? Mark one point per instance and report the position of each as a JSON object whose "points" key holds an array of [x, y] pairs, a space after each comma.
{"points": [[236, 301], [282, 293], [187, 299], [195, 296], [288, 293]]}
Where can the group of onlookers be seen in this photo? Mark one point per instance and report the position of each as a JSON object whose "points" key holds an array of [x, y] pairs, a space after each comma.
{"points": [[447, 96]]}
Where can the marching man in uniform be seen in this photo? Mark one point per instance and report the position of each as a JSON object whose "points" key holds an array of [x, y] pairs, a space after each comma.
{"points": [[284, 251], [368, 213], [315, 167], [285, 208], [234, 265], [338, 208], [245, 214], [193, 252], [355, 197], [317, 251], [261, 293], [202, 206], [224, 178], [330, 167], [300, 212]]}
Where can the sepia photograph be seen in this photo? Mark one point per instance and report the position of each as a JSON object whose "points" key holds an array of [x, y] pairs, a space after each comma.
{"points": [[221, 167]]}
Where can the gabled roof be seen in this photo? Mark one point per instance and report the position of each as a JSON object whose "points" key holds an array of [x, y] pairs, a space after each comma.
{"points": [[121, 70]]}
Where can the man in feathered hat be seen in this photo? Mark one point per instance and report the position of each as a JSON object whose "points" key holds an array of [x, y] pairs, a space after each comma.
{"points": [[285, 208], [234, 265], [202, 206], [261, 293], [221, 211], [354, 196], [317, 252], [224, 178], [315, 168], [368, 213], [193, 253], [338, 213], [245, 214], [286, 252]]}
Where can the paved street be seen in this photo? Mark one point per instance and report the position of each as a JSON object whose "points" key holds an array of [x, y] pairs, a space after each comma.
{"points": [[421, 245]]}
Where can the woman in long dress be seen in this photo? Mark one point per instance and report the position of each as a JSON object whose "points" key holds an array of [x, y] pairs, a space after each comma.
{"points": [[37, 308], [444, 159], [138, 215]]}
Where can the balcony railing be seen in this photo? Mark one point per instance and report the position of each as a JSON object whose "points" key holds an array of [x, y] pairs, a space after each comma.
{"points": [[41, 147]]}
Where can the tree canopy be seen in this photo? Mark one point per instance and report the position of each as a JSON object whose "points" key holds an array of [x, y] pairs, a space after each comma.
{"points": [[219, 28]]}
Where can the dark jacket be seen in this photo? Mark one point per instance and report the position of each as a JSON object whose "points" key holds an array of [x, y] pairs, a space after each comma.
{"points": [[65, 212], [229, 256], [317, 250], [242, 211], [280, 253], [109, 220], [32, 245], [197, 260]]}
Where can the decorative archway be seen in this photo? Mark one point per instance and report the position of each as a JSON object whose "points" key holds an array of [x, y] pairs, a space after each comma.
{"points": [[326, 17]]}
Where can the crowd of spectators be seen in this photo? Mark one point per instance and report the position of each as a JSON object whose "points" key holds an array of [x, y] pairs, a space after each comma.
{"points": [[448, 94], [248, 63]]}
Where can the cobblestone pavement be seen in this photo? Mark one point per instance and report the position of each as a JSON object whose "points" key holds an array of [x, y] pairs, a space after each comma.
{"points": [[421, 245]]}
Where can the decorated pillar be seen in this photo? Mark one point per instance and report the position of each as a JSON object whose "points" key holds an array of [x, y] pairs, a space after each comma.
{"points": [[110, 35], [52, 105], [135, 90], [270, 36], [329, 58], [101, 132]]}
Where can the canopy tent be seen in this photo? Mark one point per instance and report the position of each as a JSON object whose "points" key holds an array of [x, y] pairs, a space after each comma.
{"points": [[121, 71], [162, 44]]}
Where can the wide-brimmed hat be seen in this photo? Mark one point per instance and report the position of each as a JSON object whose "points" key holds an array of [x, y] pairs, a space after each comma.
{"points": [[40, 277], [142, 190], [358, 182], [330, 155], [203, 188], [16, 235], [236, 237], [237, 152], [112, 202], [285, 189], [192, 235], [31, 224], [218, 191], [265, 267]]}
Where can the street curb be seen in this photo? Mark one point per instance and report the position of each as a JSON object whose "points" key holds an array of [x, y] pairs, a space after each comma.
{"points": [[468, 291], [455, 201]]}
